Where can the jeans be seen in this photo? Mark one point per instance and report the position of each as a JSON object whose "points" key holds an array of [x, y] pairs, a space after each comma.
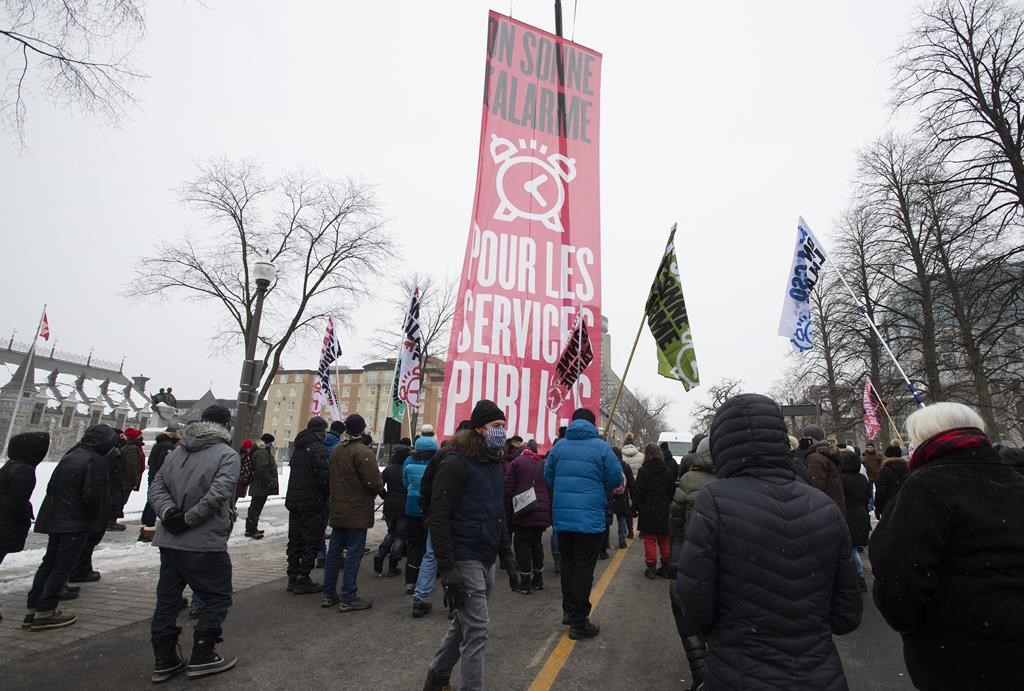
{"points": [[252, 517], [579, 556], [428, 574], [62, 552], [415, 546], [529, 547], [352, 540], [623, 530], [305, 537], [83, 566], [467, 633], [209, 576], [857, 563], [652, 545]]}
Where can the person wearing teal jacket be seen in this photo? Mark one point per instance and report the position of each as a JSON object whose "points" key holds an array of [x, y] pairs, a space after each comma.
{"points": [[415, 529]]}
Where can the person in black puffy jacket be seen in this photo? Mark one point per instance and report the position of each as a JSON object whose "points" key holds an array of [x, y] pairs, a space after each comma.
{"points": [[765, 574], [306, 499], [857, 492], [393, 546], [654, 487], [890, 478], [17, 480]]}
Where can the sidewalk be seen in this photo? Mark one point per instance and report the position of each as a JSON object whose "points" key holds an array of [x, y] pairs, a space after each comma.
{"points": [[127, 592]]}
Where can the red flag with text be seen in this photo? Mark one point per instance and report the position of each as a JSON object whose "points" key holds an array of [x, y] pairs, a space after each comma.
{"points": [[533, 255]]}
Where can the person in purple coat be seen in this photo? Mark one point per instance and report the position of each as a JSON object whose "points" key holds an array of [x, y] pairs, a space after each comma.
{"points": [[525, 472]]}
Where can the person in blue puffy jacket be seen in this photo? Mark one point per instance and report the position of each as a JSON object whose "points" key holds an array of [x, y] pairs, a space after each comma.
{"points": [[580, 470], [415, 530]]}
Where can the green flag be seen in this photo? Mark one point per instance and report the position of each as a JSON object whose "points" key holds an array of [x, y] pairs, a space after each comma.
{"points": [[670, 326]]}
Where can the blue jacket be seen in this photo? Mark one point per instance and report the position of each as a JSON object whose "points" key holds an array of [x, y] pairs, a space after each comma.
{"points": [[331, 440], [412, 472], [581, 470]]}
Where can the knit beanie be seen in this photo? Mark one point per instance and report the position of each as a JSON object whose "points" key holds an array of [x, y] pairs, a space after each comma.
{"points": [[217, 413], [355, 425], [893, 451], [483, 412], [813, 432], [427, 431], [317, 424], [338, 427], [267, 438], [132, 433], [584, 414], [426, 444]]}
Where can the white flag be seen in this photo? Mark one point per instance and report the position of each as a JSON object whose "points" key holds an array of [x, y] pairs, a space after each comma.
{"points": [[323, 392], [405, 389], [809, 258]]}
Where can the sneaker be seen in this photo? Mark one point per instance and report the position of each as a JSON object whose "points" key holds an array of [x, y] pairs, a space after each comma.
{"points": [[378, 564], [583, 631], [355, 605], [88, 577], [410, 588], [54, 619], [538, 580], [26, 623], [525, 584], [329, 601], [420, 608], [305, 586]]}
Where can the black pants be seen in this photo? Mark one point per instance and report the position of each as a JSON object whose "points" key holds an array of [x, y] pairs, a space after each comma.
{"points": [[579, 556], [62, 552], [83, 565], [209, 576], [305, 538], [529, 546], [252, 518], [148, 516], [415, 547], [392, 547]]}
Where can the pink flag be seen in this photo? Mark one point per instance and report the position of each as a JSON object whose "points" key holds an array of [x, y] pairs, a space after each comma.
{"points": [[871, 403], [44, 328]]}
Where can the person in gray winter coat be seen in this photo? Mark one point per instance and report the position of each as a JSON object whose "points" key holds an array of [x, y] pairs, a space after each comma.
{"points": [[193, 495], [765, 574]]}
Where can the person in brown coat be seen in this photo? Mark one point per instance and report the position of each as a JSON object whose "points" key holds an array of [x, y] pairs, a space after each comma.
{"points": [[872, 462], [355, 482], [822, 470]]}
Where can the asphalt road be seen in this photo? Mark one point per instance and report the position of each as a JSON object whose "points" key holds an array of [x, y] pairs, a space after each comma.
{"points": [[285, 641]]}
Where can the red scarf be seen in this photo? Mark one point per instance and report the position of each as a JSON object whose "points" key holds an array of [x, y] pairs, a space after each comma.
{"points": [[945, 442]]}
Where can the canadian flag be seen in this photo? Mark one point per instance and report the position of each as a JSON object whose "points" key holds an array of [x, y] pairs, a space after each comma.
{"points": [[44, 328]]}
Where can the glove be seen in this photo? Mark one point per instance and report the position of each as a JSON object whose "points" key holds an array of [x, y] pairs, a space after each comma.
{"points": [[454, 595], [512, 568], [174, 521]]}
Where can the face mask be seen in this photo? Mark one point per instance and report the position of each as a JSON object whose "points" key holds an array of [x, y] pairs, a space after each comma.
{"points": [[495, 438]]}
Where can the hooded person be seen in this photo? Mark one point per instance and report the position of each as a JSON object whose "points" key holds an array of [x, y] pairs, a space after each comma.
{"points": [[164, 442], [631, 454], [655, 486], [17, 481], [392, 547], [857, 493], [765, 575], [264, 483], [413, 468], [670, 462], [355, 482], [872, 461], [194, 497], [822, 461], [77, 504], [466, 521], [306, 501], [890, 477]]}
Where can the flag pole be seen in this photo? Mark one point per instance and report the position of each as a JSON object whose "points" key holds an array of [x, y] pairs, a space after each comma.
{"points": [[622, 381], [864, 313], [21, 387], [892, 422]]}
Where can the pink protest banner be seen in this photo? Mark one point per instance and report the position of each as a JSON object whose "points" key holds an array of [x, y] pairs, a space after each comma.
{"points": [[533, 255]]}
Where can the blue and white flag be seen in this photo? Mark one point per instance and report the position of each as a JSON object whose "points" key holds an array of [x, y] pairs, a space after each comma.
{"points": [[809, 259]]}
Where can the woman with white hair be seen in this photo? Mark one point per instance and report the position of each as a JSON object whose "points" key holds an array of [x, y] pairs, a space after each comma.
{"points": [[948, 556]]}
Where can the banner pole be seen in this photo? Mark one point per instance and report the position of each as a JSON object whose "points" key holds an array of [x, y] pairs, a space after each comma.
{"points": [[21, 387], [892, 422], [864, 313], [622, 381]]}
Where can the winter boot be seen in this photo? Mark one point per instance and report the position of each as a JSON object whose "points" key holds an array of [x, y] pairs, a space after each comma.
{"points": [[557, 558], [168, 657], [393, 569], [204, 659], [664, 571], [26, 623], [420, 608], [54, 619], [378, 564], [580, 632], [695, 653], [538, 580], [291, 583], [525, 585], [651, 572], [305, 586], [435, 682]]}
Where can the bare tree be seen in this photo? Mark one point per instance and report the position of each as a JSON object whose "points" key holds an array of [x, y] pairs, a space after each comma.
{"points": [[645, 415], [701, 414], [81, 50], [437, 310], [962, 67], [326, 238]]}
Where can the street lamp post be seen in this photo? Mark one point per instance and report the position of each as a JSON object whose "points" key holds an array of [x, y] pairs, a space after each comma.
{"points": [[263, 273]]}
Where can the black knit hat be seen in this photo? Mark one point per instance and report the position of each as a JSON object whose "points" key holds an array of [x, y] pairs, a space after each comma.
{"points": [[355, 425], [30, 447], [813, 432], [483, 412], [267, 439], [217, 413], [893, 451], [338, 427], [584, 414], [317, 424]]}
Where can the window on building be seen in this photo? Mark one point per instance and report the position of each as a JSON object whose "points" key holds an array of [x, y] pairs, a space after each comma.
{"points": [[347, 379], [283, 379], [143, 421], [371, 390], [37, 413], [65, 420], [94, 417], [280, 393], [277, 405], [291, 392], [120, 422], [273, 421], [291, 405], [346, 392], [290, 419]]}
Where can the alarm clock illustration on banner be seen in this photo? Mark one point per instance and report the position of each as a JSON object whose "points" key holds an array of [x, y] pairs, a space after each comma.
{"points": [[529, 185]]}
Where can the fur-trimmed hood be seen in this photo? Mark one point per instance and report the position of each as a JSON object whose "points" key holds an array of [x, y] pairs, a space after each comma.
{"points": [[200, 435]]}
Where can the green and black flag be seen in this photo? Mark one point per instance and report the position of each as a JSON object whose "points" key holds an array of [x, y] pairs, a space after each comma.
{"points": [[670, 326]]}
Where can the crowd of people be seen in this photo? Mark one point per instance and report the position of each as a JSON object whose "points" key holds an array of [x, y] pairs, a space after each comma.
{"points": [[761, 533]]}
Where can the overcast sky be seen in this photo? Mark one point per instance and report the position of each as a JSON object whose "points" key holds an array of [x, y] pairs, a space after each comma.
{"points": [[731, 119]]}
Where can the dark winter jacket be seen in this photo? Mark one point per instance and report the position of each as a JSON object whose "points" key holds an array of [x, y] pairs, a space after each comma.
{"points": [[467, 509], [701, 473], [526, 471], [133, 460], [115, 495], [395, 494], [581, 470], [765, 574], [264, 471], [17, 480], [162, 447], [655, 485], [355, 483], [857, 493], [199, 477], [308, 479], [622, 503], [890, 478], [948, 561], [823, 474], [78, 497], [1013, 457]]}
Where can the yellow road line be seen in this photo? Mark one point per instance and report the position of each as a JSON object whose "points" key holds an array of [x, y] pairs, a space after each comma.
{"points": [[546, 676]]}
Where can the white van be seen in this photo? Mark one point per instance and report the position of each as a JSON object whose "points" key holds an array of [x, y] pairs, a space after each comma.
{"points": [[678, 443]]}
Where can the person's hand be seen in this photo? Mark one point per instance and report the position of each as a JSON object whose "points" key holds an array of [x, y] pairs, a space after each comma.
{"points": [[174, 521], [454, 595]]}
